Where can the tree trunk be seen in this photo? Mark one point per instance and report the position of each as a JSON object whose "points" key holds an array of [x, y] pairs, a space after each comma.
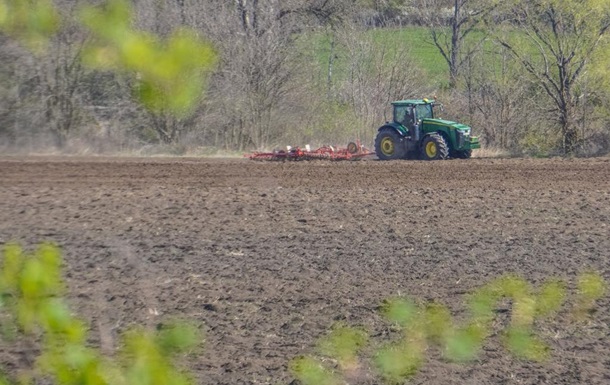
{"points": [[569, 131], [455, 46]]}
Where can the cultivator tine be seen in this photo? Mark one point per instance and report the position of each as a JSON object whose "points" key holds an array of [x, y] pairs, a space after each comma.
{"points": [[353, 151]]}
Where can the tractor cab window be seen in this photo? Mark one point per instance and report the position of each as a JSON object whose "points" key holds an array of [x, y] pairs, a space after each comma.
{"points": [[424, 111], [403, 115]]}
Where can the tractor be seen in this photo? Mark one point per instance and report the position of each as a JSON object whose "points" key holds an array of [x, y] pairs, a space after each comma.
{"points": [[414, 133]]}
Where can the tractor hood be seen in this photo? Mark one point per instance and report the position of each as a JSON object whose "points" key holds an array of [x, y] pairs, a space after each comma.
{"points": [[458, 134], [448, 123]]}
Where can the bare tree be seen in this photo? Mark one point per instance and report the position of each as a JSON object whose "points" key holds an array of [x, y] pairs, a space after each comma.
{"points": [[60, 74], [10, 95], [46, 85], [565, 36], [502, 105], [259, 70], [161, 18], [377, 74], [450, 24]]}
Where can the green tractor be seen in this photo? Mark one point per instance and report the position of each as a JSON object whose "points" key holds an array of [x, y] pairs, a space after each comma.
{"points": [[414, 133]]}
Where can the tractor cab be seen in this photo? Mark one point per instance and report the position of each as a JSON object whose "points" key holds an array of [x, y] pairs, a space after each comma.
{"points": [[409, 112]]}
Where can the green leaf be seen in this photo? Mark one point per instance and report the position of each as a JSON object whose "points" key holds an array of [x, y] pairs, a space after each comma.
{"points": [[3, 379], [343, 343], [55, 316], [482, 303], [111, 22], [465, 343], [399, 310], [140, 53], [11, 268], [145, 361], [523, 344], [26, 315], [591, 286], [50, 258], [550, 297], [399, 362], [177, 337], [524, 311], [438, 322], [310, 371], [3, 13], [40, 275], [30, 21], [170, 73], [512, 286]]}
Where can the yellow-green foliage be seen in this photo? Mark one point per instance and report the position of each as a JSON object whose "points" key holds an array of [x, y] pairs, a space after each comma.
{"points": [[550, 298], [600, 73], [146, 357], [399, 310], [591, 287], [171, 74], [539, 142], [30, 21], [521, 341], [311, 371], [30, 285], [31, 292], [431, 325], [343, 343], [437, 322], [398, 361], [31, 289], [464, 343]]}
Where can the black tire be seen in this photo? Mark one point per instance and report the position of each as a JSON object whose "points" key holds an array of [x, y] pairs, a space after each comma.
{"points": [[413, 155], [389, 145], [465, 154], [434, 147], [352, 148]]}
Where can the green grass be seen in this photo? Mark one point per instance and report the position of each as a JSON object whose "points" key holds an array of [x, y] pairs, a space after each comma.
{"points": [[420, 46], [417, 41]]}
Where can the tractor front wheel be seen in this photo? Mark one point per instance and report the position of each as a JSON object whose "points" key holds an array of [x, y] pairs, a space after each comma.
{"points": [[434, 147], [389, 145]]}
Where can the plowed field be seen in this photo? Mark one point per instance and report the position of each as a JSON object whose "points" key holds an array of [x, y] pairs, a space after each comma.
{"points": [[267, 256]]}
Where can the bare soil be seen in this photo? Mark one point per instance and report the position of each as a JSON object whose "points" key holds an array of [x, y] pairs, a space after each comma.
{"points": [[267, 256]]}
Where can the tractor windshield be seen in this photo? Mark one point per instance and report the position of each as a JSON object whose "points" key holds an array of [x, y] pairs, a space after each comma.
{"points": [[424, 111], [403, 115]]}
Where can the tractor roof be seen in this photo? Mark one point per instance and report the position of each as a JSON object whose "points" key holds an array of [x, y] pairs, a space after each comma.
{"points": [[412, 101]]}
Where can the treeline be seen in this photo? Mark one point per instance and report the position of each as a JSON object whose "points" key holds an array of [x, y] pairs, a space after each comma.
{"points": [[529, 76]]}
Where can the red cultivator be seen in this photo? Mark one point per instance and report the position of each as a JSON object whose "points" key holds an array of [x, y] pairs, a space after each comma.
{"points": [[353, 151]]}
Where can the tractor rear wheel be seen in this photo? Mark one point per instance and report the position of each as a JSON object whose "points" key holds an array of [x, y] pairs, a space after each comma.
{"points": [[434, 147], [389, 145]]}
